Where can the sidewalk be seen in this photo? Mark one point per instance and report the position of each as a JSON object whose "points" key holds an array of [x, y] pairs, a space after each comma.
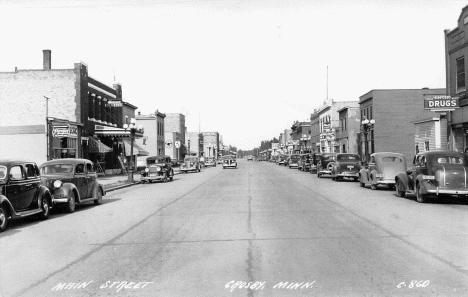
{"points": [[119, 181]]}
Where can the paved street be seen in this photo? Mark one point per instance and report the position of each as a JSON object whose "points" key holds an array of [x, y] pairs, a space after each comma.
{"points": [[261, 224]]}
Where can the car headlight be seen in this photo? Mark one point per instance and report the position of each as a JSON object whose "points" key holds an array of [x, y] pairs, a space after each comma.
{"points": [[146, 169], [158, 168], [57, 184]]}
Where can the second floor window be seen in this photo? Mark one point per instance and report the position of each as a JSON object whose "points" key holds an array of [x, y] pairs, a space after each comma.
{"points": [[461, 75]]}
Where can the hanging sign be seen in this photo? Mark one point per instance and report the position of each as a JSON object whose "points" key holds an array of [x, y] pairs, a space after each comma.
{"points": [[114, 103], [441, 103], [63, 131]]}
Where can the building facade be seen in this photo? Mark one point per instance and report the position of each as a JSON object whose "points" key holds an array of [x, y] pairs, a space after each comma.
{"points": [[397, 115], [154, 140], [300, 137], [348, 128], [194, 143], [210, 144], [60, 113], [175, 122], [456, 53]]}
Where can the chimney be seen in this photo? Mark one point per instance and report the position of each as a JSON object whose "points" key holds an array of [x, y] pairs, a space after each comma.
{"points": [[47, 59]]}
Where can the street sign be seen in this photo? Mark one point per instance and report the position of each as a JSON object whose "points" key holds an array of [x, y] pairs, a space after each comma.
{"points": [[169, 144], [177, 144]]}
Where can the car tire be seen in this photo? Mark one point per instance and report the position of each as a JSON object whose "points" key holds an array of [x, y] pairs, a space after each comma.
{"points": [[3, 218], [44, 215], [70, 206], [421, 198], [172, 175], [397, 188], [98, 200], [165, 179]]}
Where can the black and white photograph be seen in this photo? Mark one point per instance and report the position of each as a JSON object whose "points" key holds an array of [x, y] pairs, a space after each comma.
{"points": [[257, 148]]}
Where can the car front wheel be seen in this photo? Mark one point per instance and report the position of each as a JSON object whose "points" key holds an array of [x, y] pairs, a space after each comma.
{"points": [[3, 218], [70, 206], [98, 197], [421, 198], [45, 209], [398, 192]]}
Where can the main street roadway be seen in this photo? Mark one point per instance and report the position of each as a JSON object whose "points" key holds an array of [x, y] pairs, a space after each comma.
{"points": [[259, 230]]}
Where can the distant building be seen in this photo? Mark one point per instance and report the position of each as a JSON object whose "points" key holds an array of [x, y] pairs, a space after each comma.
{"points": [[456, 50], [175, 123], [153, 141], [210, 144], [194, 143], [300, 137], [348, 128]]}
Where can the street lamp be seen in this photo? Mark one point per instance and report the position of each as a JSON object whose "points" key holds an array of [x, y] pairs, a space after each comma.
{"points": [[132, 128], [367, 125]]}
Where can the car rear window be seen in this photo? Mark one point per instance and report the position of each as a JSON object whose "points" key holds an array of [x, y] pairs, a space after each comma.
{"points": [[392, 159], [3, 172], [451, 160], [347, 157]]}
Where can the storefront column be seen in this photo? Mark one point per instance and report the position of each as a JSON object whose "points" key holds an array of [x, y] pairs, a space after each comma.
{"points": [[98, 108]]}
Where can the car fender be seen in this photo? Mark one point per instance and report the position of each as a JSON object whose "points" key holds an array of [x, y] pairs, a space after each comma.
{"points": [[44, 192], [98, 186], [424, 184], [373, 175], [67, 188], [403, 178], [4, 200]]}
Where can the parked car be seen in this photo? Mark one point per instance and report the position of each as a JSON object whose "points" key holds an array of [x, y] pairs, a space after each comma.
{"points": [[158, 168], [304, 162], [282, 159], [230, 162], [72, 181], [250, 158], [435, 174], [346, 166], [21, 192], [293, 160], [220, 160], [313, 163], [191, 163], [325, 164], [175, 163], [210, 161], [382, 169]]}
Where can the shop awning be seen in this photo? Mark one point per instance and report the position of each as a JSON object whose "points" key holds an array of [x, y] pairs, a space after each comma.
{"points": [[98, 147], [137, 150], [114, 131]]}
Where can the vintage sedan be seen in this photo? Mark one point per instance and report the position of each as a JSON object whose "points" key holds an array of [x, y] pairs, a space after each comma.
{"points": [[294, 160], [435, 174], [230, 162], [21, 192], [282, 159], [210, 161], [158, 168], [325, 164], [313, 165], [346, 166], [191, 163], [382, 169], [304, 163], [72, 181]]}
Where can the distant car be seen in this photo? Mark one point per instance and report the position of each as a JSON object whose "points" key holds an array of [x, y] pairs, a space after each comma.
{"points": [[158, 168], [435, 174], [21, 192], [282, 159], [304, 162], [382, 169], [220, 160], [230, 162], [294, 160], [175, 163], [72, 181], [210, 161], [191, 163], [346, 166], [325, 164], [250, 158], [313, 163]]}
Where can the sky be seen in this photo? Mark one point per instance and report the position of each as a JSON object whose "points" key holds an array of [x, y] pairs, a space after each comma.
{"points": [[244, 68]]}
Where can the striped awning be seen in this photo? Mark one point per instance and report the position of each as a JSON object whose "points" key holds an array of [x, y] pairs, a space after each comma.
{"points": [[137, 150], [114, 131], [96, 146]]}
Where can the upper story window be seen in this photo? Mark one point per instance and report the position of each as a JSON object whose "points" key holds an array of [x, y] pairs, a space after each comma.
{"points": [[126, 120], [461, 74]]}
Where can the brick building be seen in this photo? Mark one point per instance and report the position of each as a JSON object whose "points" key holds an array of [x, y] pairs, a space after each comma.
{"points": [[348, 128], [194, 143], [210, 144], [59, 113], [400, 121], [153, 141], [456, 49], [300, 137], [175, 123]]}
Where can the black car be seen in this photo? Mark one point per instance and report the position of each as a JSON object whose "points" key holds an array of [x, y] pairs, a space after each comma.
{"points": [[158, 168], [72, 181], [21, 192]]}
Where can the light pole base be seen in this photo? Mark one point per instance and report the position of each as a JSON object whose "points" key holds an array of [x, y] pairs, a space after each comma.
{"points": [[130, 178]]}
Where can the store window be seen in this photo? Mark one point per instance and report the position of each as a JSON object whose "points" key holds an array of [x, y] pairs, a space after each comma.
{"points": [[461, 75], [426, 146], [64, 147]]}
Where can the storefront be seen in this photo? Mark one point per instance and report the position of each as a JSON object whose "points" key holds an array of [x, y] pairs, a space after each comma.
{"points": [[65, 139]]}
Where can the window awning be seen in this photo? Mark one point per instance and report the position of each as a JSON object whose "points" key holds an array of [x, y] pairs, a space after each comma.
{"points": [[137, 150], [98, 147], [114, 131]]}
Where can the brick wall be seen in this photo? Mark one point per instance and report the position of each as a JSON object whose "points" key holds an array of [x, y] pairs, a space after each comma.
{"points": [[22, 96]]}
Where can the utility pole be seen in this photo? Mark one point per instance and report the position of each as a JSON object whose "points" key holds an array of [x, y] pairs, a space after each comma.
{"points": [[47, 127]]}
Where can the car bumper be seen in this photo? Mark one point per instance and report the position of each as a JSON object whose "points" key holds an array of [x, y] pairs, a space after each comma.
{"points": [[386, 182], [444, 191], [293, 165], [325, 172], [188, 169], [147, 178], [229, 165], [348, 174]]}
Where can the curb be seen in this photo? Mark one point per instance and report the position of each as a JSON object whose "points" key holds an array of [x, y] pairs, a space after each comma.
{"points": [[122, 185]]}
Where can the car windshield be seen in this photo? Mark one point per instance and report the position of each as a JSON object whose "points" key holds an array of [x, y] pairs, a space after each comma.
{"points": [[450, 160], [328, 158], [295, 158], [157, 160], [347, 158], [57, 168], [392, 159], [191, 159], [3, 172]]}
